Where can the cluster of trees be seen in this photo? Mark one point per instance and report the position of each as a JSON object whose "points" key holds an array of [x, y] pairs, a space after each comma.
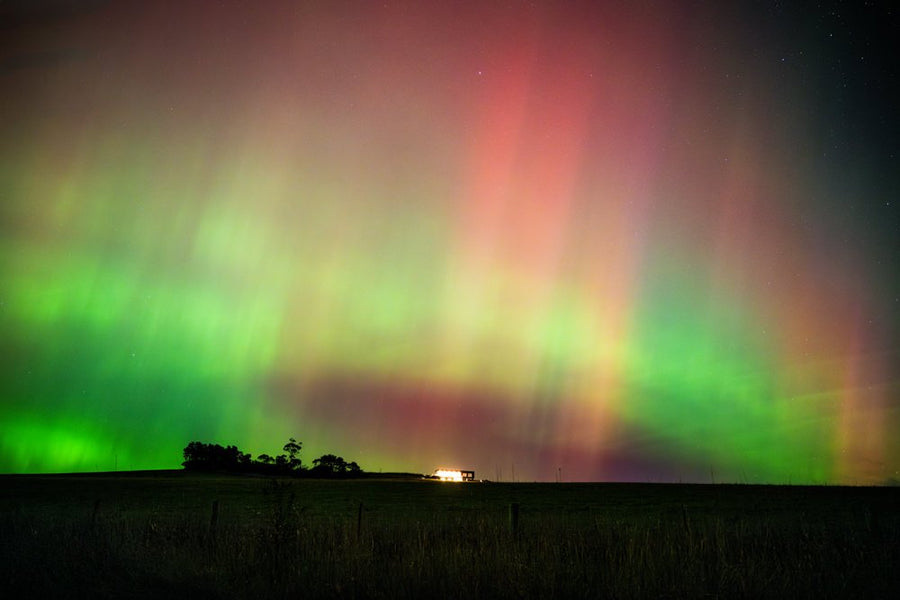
{"points": [[199, 456], [330, 465]]}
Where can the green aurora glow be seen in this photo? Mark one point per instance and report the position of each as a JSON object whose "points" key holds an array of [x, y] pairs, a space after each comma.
{"points": [[404, 237]]}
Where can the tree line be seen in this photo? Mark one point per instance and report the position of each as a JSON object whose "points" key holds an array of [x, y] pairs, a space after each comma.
{"points": [[199, 456]]}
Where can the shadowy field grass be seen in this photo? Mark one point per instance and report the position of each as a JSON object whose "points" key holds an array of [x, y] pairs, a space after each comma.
{"points": [[203, 536]]}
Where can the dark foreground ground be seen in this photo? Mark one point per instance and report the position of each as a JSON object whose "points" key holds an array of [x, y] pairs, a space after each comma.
{"points": [[175, 535]]}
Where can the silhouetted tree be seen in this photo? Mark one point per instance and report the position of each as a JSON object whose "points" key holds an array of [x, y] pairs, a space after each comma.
{"points": [[330, 465], [213, 457], [195, 455], [292, 448], [199, 456]]}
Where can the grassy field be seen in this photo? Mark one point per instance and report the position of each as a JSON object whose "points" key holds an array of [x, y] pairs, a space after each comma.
{"points": [[179, 535]]}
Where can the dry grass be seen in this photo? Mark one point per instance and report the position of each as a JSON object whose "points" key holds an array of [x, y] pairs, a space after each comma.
{"points": [[417, 539]]}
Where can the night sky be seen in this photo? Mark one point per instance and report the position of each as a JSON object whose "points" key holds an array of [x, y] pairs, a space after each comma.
{"points": [[635, 241]]}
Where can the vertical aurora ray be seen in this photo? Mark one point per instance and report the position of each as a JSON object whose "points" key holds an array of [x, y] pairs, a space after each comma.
{"points": [[596, 238]]}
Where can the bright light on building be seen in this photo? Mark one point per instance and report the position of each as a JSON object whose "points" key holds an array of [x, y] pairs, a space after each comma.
{"points": [[454, 475], [448, 475]]}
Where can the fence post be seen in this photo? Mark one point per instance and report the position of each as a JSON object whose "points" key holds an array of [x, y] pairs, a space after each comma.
{"points": [[214, 518], [514, 518]]}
